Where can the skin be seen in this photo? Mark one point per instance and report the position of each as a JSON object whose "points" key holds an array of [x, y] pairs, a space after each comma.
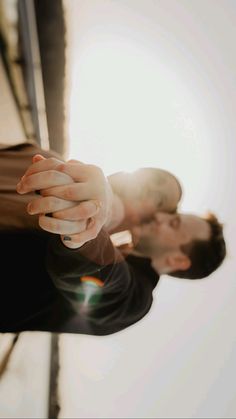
{"points": [[162, 238], [144, 192], [77, 195], [77, 192]]}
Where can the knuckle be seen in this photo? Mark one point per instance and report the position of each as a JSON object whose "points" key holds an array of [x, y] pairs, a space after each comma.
{"points": [[95, 169], [51, 203], [91, 166], [98, 171], [72, 161], [69, 192], [52, 160], [51, 174], [83, 211]]}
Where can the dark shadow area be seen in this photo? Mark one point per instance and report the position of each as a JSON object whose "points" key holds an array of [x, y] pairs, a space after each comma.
{"points": [[52, 44]]}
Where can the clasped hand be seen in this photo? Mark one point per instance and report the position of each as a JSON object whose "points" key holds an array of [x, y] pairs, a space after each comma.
{"points": [[75, 199]]}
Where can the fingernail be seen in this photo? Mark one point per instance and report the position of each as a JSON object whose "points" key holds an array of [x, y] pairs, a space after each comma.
{"points": [[67, 238]]}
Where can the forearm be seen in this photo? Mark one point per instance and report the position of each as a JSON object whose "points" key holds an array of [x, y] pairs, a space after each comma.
{"points": [[67, 266], [75, 201]]}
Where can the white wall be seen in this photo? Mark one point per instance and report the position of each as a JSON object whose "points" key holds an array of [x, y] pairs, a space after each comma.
{"points": [[11, 131], [153, 83], [24, 384]]}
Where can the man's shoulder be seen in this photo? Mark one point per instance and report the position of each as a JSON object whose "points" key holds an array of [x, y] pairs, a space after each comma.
{"points": [[143, 268]]}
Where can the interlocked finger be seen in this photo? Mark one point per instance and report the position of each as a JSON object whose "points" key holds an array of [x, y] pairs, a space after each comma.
{"points": [[49, 204], [83, 210], [42, 180], [63, 227], [72, 191], [42, 165]]}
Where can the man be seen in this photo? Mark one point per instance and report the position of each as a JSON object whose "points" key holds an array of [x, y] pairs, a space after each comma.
{"points": [[142, 193], [181, 245], [57, 291]]}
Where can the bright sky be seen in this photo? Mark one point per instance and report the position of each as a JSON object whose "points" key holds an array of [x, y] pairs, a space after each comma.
{"points": [[142, 98], [153, 84], [128, 108]]}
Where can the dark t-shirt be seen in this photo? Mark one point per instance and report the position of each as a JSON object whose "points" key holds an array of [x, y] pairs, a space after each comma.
{"points": [[92, 290]]}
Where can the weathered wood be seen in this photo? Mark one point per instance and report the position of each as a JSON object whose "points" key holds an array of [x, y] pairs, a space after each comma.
{"points": [[10, 133], [24, 386], [53, 407], [7, 344]]}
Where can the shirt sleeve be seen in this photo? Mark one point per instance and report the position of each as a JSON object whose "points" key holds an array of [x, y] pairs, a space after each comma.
{"points": [[123, 295]]}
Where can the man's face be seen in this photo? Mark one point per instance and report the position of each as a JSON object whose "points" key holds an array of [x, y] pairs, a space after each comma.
{"points": [[167, 232], [144, 192], [144, 198]]}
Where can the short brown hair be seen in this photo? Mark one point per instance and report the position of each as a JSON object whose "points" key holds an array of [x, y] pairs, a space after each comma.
{"points": [[154, 187], [205, 255]]}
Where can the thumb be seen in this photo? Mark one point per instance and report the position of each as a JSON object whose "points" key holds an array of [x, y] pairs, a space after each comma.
{"points": [[37, 158], [74, 161]]}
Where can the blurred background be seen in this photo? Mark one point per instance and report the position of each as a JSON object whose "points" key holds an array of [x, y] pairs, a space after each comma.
{"points": [[125, 84]]}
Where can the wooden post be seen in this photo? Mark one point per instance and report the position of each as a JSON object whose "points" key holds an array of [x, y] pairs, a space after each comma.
{"points": [[53, 405]]}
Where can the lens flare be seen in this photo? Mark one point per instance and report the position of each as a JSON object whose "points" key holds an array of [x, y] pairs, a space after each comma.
{"points": [[91, 292]]}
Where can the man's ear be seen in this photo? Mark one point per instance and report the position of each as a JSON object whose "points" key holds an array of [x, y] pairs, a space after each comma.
{"points": [[178, 262], [172, 262]]}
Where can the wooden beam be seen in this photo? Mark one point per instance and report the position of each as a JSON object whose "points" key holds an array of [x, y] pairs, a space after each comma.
{"points": [[53, 405]]}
